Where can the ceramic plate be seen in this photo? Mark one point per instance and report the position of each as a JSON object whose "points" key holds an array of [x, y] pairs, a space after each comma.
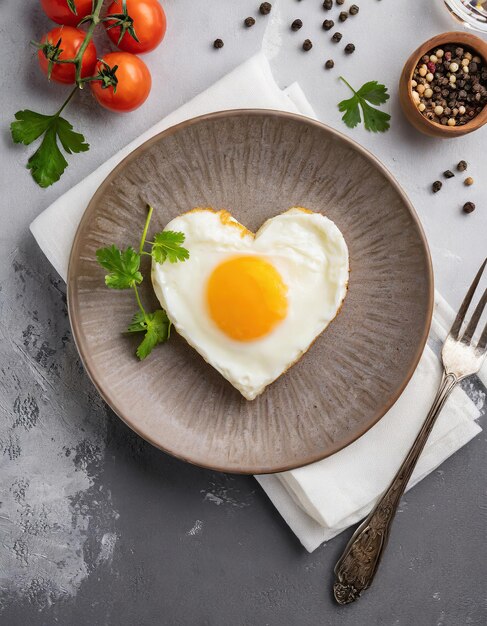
{"points": [[257, 164]]}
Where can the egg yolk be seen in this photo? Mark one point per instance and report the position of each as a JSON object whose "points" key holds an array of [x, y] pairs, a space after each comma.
{"points": [[246, 297]]}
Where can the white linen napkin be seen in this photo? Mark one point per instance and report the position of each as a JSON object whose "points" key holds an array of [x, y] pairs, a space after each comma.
{"points": [[320, 500]]}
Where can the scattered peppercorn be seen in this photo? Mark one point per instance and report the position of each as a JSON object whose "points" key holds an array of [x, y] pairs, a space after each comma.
{"points": [[265, 8], [354, 9], [330, 64], [340, 1], [296, 25], [327, 4], [336, 37], [307, 45], [468, 207], [349, 48], [468, 181], [249, 21], [343, 16], [437, 185], [462, 166], [448, 174], [218, 43], [328, 24]]}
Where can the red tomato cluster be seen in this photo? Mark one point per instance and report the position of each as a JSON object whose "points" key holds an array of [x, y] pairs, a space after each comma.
{"points": [[133, 79]]}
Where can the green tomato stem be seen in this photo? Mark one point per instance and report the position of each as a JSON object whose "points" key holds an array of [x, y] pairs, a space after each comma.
{"points": [[66, 102], [95, 20]]}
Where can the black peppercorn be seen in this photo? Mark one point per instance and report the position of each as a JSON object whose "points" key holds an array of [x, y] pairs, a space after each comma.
{"points": [[343, 16], [353, 10], [307, 45], [218, 43], [349, 48], [462, 166], [296, 25], [265, 8], [437, 185], [336, 37], [448, 174], [468, 207], [249, 21], [330, 64], [328, 24], [327, 4]]}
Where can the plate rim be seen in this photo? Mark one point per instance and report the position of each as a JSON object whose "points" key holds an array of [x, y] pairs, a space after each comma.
{"points": [[75, 322]]}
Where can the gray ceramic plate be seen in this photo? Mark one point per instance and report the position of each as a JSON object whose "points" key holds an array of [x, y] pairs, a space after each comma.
{"points": [[257, 164]]}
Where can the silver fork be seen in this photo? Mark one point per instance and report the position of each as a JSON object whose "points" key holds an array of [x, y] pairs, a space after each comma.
{"points": [[359, 562]]}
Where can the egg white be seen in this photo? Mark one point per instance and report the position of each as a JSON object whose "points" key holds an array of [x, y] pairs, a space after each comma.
{"points": [[306, 248]]}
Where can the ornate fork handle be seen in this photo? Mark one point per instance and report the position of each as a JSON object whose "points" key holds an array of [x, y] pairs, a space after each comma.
{"points": [[359, 562]]}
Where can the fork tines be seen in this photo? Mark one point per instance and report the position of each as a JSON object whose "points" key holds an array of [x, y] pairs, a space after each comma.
{"points": [[477, 314]]}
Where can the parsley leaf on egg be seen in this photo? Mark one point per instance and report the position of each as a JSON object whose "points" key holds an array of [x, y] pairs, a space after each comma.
{"points": [[123, 267], [168, 245], [374, 120], [124, 273]]}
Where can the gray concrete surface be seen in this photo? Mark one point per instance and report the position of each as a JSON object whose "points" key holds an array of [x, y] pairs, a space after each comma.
{"points": [[98, 527]]}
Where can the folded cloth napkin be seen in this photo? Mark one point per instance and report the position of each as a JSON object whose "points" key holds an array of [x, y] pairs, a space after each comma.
{"points": [[320, 500]]}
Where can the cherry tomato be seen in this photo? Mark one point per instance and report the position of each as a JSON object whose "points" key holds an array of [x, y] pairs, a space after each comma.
{"points": [[71, 40], [59, 11], [149, 24], [133, 86]]}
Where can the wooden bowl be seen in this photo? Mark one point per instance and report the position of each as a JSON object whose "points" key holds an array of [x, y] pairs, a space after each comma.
{"points": [[414, 116]]}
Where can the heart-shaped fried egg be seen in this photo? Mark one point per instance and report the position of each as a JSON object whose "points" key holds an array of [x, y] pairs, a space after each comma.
{"points": [[251, 305]]}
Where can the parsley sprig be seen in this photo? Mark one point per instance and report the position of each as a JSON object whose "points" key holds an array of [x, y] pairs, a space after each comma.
{"points": [[48, 163], [168, 245], [123, 268], [374, 120]]}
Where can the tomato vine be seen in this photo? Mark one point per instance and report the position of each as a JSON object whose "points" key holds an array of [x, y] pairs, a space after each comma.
{"points": [[48, 163]]}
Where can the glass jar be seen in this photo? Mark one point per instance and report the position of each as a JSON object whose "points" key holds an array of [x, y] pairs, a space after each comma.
{"points": [[472, 13]]}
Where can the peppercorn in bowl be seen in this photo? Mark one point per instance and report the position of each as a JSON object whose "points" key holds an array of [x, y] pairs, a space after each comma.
{"points": [[443, 86]]}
